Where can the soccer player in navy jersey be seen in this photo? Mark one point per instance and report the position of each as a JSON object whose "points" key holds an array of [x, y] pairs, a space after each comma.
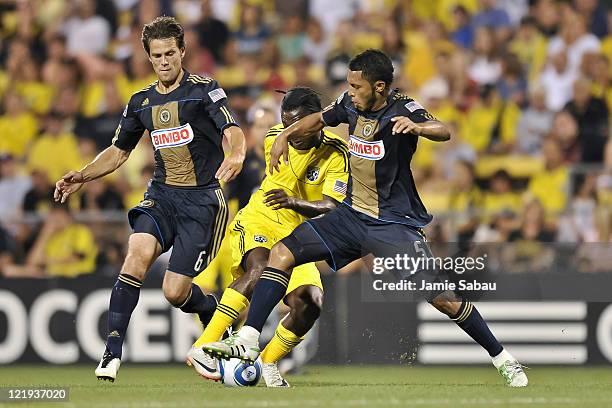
{"points": [[382, 213], [187, 118]]}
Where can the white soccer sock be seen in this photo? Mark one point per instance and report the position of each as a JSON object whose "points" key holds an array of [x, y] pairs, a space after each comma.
{"points": [[249, 334], [501, 358]]}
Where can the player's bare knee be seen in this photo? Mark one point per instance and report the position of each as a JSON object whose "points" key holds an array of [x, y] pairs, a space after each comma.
{"points": [[175, 295], [281, 257]]}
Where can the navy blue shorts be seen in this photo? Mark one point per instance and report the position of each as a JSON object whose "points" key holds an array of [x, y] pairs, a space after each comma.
{"points": [[344, 235], [190, 220]]}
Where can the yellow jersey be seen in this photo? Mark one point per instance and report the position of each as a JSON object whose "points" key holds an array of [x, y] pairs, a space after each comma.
{"points": [[310, 174]]}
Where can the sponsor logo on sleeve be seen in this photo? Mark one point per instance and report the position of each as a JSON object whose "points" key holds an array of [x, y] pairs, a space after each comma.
{"points": [[217, 94], [173, 137], [366, 150]]}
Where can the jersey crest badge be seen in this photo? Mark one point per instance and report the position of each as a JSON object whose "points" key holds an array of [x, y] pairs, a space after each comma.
{"points": [[312, 173]]}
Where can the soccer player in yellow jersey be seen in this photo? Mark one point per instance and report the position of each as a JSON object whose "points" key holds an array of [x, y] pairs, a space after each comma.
{"points": [[313, 183]]}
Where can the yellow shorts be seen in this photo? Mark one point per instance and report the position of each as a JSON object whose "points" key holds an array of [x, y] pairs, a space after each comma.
{"points": [[247, 232]]}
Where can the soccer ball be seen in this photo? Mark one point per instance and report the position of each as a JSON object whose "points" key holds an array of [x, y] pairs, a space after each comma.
{"points": [[237, 373]]}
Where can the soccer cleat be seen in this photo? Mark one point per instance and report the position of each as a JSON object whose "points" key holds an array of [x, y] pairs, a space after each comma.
{"points": [[234, 346], [272, 376], [205, 365], [513, 373], [108, 367]]}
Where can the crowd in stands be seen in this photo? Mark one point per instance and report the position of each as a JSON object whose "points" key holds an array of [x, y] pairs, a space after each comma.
{"points": [[524, 84]]}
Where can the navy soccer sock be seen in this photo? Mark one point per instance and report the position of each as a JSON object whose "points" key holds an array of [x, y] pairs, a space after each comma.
{"points": [[123, 301], [473, 324], [269, 290], [198, 302]]}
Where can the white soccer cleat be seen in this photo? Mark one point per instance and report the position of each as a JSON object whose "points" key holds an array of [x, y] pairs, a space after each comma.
{"points": [[108, 367], [272, 376], [205, 365], [234, 346], [510, 369]]}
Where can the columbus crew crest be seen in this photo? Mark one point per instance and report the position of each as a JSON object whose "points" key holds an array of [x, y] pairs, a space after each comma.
{"points": [[312, 173]]}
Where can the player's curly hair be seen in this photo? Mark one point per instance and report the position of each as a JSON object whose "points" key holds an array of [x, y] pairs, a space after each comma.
{"points": [[301, 97], [374, 65], [161, 28]]}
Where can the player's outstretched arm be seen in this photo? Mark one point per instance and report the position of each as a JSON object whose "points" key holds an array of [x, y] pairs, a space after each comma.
{"points": [[278, 198], [232, 165], [308, 124], [106, 162], [432, 129]]}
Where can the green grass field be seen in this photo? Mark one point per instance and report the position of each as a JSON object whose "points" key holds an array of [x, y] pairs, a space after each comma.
{"points": [[344, 386]]}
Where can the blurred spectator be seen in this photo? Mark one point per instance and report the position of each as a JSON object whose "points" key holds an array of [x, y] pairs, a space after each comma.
{"points": [[17, 126], [40, 195], [137, 194], [557, 80], [63, 247], [592, 116], [535, 123], [565, 133], [86, 32], [579, 225], [485, 67], [316, 44], [291, 39], [465, 200], [253, 34], [254, 165], [493, 17], [601, 75], [512, 86], [463, 35], [340, 54], [530, 254], [213, 33], [99, 196], [549, 186], [55, 151], [331, 13], [501, 196], [13, 188], [530, 47], [393, 45], [574, 40], [547, 15], [594, 13]]}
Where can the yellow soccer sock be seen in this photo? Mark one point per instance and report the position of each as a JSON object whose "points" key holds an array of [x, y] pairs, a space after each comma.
{"points": [[231, 305], [281, 344]]}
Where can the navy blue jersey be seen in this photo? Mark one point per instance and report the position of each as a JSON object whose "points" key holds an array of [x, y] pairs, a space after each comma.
{"points": [[186, 128], [381, 183]]}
